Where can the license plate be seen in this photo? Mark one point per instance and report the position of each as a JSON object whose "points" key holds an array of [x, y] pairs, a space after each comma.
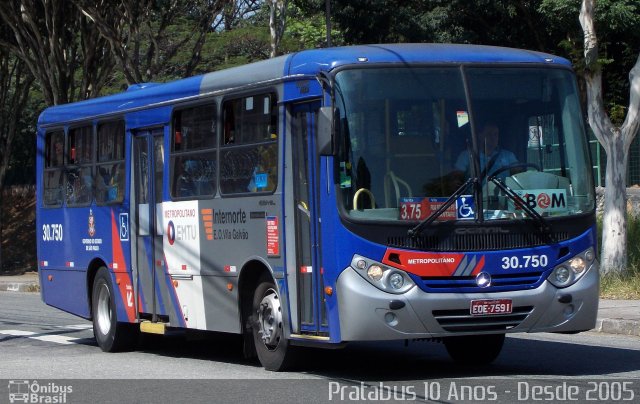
{"points": [[490, 307]]}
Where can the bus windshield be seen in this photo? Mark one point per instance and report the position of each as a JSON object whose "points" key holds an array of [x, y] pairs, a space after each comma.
{"points": [[410, 137]]}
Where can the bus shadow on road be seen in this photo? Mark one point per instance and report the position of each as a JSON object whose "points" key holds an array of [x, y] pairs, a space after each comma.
{"points": [[429, 360], [387, 361], [198, 345]]}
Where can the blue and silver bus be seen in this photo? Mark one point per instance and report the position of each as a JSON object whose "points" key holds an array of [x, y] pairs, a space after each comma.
{"points": [[381, 192]]}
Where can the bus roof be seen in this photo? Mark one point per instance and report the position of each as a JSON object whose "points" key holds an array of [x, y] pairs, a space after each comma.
{"points": [[311, 61], [308, 62]]}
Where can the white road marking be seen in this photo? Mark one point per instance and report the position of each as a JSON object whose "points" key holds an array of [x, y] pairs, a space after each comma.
{"points": [[58, 339], [75, 327]]}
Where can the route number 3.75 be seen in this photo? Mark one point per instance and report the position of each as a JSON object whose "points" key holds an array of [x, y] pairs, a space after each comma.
{"points": [[526, 261]]}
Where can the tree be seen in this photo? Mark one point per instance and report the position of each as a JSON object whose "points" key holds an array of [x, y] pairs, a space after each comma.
{"points": [[145, 35], [55, 41], [615, 19], [236, 11], [15, 83], [616, 141], [516, 23], [307, 25], [277, 20]]}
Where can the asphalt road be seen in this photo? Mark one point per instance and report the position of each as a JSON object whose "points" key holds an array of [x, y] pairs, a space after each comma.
{"points": [[57, 350]]}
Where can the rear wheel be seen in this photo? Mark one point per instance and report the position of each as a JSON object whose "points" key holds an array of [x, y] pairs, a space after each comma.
{"points": [[474, 349], [111, 335], [273, 349]]}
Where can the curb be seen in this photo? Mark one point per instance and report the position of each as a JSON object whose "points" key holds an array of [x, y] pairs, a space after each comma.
{"points": [[618, 326], [19, 287]]}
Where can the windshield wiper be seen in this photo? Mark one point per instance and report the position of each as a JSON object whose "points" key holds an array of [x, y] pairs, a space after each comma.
{"points": [[540, 221], [415, 232]]}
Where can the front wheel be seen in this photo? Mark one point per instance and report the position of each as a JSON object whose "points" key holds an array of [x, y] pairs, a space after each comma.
{"points": [[111, 335], [474, 349], [274, 351]]}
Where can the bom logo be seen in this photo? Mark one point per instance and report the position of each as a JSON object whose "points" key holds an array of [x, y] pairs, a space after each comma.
{"points": [[547, 200]]}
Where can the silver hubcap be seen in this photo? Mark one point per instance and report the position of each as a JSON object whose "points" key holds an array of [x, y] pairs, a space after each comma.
{"points": [[103, 314], [270, 319]]}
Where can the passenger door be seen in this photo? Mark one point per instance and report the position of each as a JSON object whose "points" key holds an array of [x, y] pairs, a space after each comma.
{"points": [[309, 279], [148, 169]]}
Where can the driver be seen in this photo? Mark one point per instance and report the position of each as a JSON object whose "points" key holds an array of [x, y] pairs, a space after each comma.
{"points": [[492, 157]]}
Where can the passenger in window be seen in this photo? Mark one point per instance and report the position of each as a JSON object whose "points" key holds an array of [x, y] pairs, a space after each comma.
{"points": [[102, 184], [86, 185], [77, 188], [58, 153], [116, 183], [53, 187], [229, 124], [263, 177], [87, 157], [186, 184], [178, 140], [230, 137], [110, 183]]}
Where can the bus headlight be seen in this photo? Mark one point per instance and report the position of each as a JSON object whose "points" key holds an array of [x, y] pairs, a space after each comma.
{"points": [[570, 271], [562, 275], [385, 278], [375, 272], [578, 264], [396, 280]]}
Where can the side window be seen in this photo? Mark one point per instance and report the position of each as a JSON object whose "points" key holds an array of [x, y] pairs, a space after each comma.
{"points": [[79, 169], [249, 153], [53, 180], [110, 176], [193, 152]]}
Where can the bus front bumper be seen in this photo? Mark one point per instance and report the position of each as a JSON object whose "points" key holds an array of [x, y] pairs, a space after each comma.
{"points": [[367, 313]]}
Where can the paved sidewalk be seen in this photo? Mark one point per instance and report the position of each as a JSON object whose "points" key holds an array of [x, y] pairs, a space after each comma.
{"points": [[619, 317], [27, 282], [614, 316]]}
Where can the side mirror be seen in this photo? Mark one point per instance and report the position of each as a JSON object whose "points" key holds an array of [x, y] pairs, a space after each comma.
{"points": [[324, 138]]}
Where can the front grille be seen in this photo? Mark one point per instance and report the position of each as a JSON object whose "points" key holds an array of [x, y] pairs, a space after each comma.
{"points": [[463, 321], [505, 280], [475, 242]]}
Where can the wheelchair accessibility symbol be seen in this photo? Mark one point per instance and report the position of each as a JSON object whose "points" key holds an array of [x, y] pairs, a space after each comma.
{"points": [[465, 207], [124, 226]]}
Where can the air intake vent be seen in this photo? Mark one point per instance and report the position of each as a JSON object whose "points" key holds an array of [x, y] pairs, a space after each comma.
{"points": [[473, 242], [462, 321], [516, 281]]}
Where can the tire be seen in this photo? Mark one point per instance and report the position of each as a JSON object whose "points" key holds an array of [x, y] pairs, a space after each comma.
{"points": [[273, 349], [110, 335], [474, 349]]}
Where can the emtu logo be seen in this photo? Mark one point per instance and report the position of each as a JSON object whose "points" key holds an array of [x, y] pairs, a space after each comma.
{"points": [[171, 233], [207, 220]]}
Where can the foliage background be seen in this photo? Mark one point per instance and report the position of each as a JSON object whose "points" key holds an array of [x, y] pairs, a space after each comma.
{"points": [[239, 34]]}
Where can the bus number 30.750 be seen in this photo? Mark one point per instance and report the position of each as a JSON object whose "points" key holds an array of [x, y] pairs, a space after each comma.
{"points": [[526, 261]]}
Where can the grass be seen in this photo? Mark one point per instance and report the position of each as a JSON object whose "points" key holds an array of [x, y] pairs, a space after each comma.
{"points": [[627, 284], [625, 287]]}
